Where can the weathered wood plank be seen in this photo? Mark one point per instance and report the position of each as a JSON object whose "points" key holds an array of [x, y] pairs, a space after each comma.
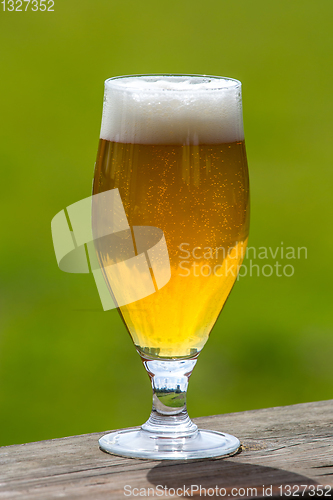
{"points": [[281, 446]]}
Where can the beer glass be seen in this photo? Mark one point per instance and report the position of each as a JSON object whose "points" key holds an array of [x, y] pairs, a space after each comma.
{"points": [[172, 146]]}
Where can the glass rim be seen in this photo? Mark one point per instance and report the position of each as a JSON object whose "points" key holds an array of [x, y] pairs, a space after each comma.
{"points": [[237, 83]]}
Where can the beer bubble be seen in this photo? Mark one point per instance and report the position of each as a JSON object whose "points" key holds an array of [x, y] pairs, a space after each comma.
{"points": [[179, 110]]}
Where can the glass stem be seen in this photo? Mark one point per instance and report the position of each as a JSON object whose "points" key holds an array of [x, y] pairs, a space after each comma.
{"points": [[169, 380]]}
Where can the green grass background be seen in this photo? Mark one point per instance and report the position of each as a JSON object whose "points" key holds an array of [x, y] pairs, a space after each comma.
{"points": [[67, 367]]}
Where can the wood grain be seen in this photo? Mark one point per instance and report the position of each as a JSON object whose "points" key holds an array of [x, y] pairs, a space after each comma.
{"points": [[290, 445]]}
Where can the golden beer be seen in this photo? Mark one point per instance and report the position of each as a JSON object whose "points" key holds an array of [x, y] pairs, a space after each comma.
{"points": [[197, 193], [170, 224]]}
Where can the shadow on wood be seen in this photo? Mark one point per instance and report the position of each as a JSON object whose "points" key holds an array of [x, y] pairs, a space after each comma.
{"points": [[227, 478]]}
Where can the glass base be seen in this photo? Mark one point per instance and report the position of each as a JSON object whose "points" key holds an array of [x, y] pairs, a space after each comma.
{"points": [[138, 443]]}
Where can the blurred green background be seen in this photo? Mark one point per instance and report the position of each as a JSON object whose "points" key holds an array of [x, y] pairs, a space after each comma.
{"points": [[67, 367]]}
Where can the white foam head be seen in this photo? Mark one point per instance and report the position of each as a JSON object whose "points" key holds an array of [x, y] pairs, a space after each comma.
{"points": [[172, 110]]}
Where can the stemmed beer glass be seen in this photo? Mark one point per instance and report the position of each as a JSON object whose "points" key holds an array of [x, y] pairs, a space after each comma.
{"points": [[172, 147]]}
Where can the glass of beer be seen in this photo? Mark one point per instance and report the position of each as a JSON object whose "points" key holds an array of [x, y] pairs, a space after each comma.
{"points": [[173, 148]]}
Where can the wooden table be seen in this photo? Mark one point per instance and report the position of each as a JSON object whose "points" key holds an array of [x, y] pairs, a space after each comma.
{"points": [[282, 449]]}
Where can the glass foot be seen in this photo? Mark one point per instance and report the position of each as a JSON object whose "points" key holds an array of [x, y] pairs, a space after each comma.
{"points": [[138, 443]]}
